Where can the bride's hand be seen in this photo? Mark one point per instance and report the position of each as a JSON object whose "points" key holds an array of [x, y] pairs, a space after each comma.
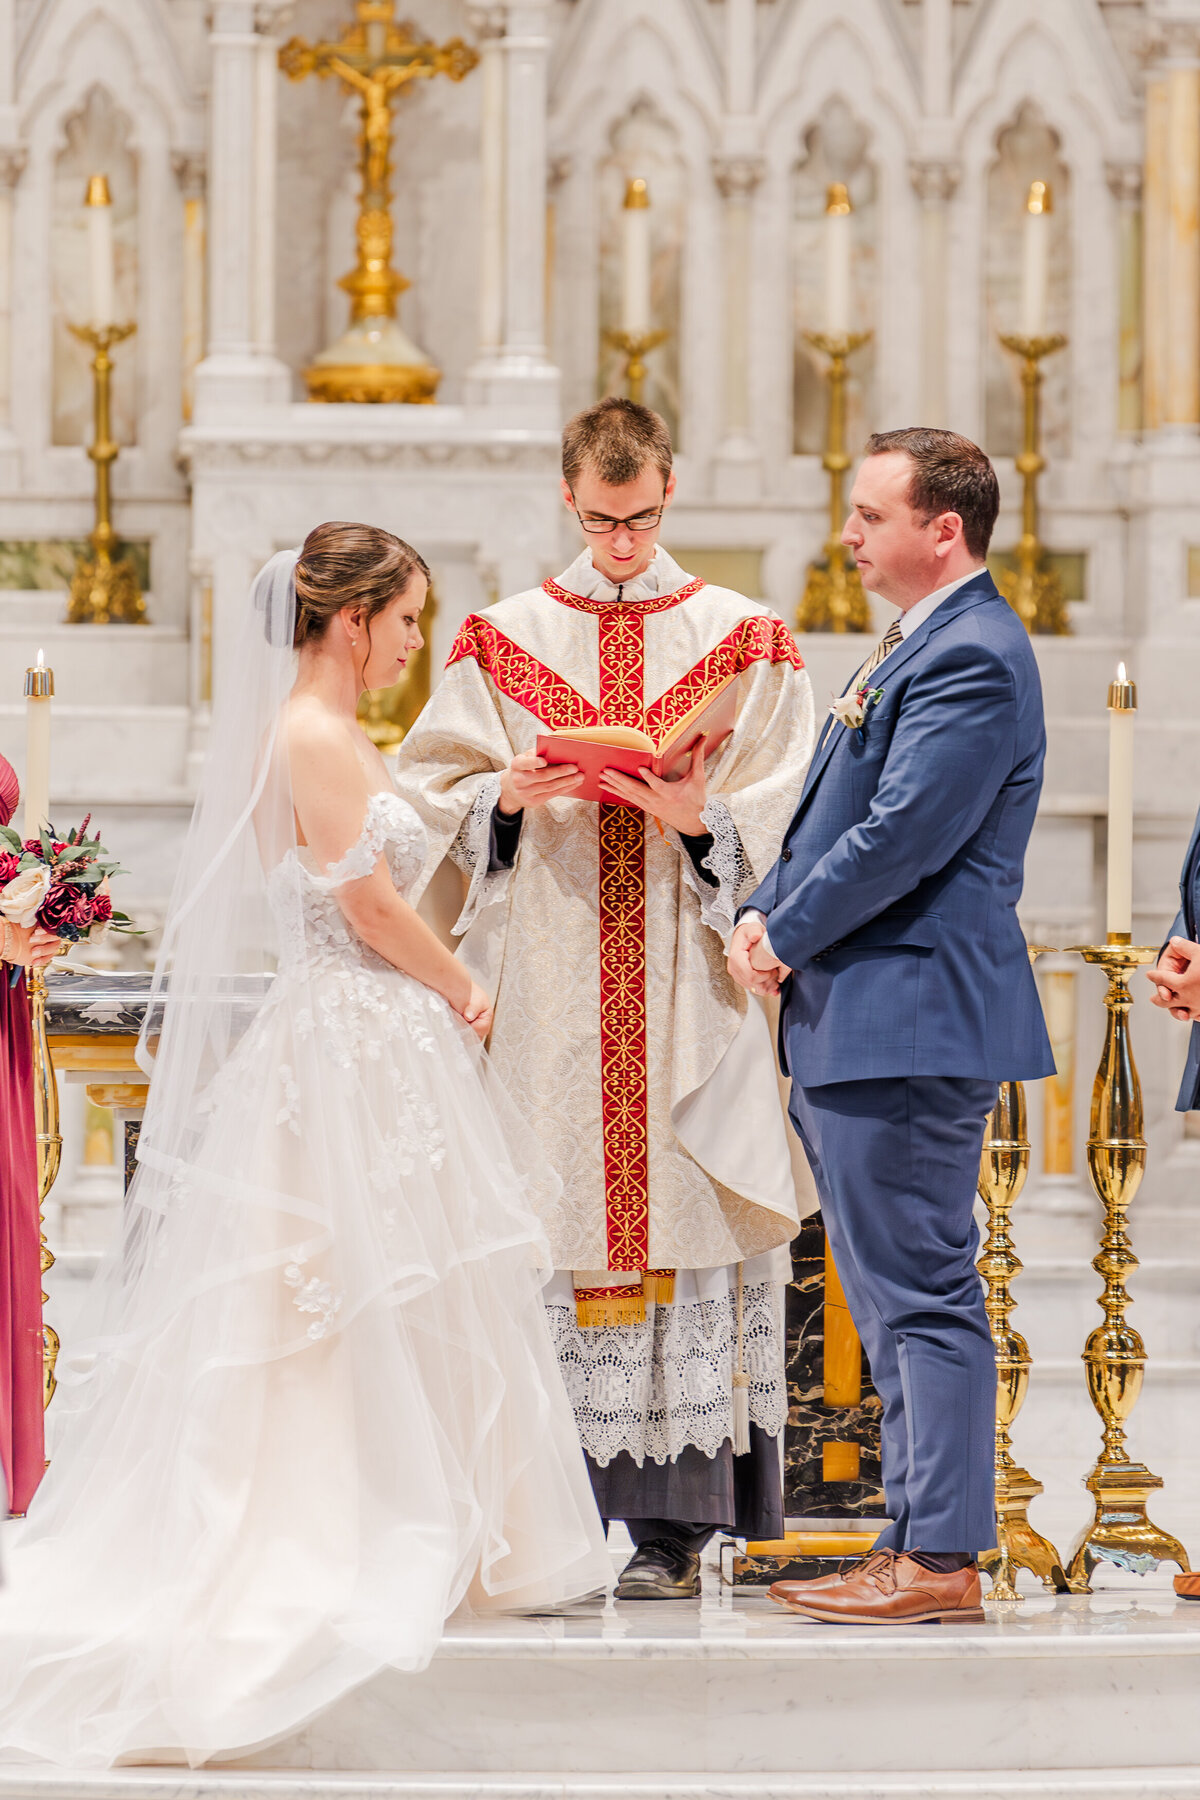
{"points": [[477, 1011]]}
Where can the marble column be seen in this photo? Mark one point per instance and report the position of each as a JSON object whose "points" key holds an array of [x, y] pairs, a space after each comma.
{"points": [[937, 57], [1180, 74], [488, 23], [737, 177], [239, 371], [741, 48], [1155, 233], [190, 172], [1125, 185], [12, 162], [524, 367], [935, 182]]}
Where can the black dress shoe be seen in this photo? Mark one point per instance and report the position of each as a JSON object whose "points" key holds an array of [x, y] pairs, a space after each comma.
{"points": [[660, 1570]]}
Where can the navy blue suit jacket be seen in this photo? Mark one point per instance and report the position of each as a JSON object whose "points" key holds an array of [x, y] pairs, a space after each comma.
{"points": [[1186, 926], [895, 896]]}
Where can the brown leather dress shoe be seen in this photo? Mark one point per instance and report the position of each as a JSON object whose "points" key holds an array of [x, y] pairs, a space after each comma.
{"points": [[787, 1593], [892, 1589], [1188, 1586]]}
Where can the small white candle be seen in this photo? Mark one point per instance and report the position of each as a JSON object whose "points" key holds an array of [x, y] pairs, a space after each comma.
{"points": [[39, 691], [1035, 260], [838, 247], [635, 259], [1122, 710], [101, 267]]}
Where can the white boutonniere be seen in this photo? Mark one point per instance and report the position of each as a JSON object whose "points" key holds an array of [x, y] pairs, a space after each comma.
{"points": [[851, 709]]}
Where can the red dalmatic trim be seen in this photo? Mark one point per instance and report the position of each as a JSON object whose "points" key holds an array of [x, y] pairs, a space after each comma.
{"points": [[758, 639], [656, 603], [521, 677]]}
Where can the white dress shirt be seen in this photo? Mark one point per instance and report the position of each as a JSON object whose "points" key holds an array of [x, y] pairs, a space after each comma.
{"points": [[916, 615]]}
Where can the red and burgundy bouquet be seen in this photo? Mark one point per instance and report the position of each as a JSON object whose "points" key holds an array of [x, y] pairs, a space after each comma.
{"points": [[60, 884]]}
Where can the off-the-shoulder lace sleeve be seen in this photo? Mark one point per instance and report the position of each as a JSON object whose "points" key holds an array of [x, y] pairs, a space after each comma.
{"points": [[728, 862], [472, 850], [363, 854]]}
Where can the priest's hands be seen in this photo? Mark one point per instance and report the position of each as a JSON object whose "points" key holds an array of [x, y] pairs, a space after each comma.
{"points": [[752, 962], [676, 803], [530, 780], [1176, 978]]}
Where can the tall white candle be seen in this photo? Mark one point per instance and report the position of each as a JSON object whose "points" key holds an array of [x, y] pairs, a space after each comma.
{"points": [[1122, 710], [1035, 260], [838, 247], [635, 259], [39, 691], [101, 268]]}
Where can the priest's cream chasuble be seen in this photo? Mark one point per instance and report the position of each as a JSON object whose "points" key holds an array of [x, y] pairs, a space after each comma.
{"points": [[646, 1072]]}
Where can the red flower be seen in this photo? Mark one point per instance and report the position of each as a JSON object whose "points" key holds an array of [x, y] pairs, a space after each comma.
{"points": [[9, 863], [66, 911], [34, 844], [101, 908]]}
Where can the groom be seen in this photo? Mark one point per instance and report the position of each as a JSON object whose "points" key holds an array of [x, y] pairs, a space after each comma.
{"points": [[889, 924]]}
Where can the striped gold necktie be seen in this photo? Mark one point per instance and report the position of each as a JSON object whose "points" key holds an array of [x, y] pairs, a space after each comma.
{"points": [[883, 648]]}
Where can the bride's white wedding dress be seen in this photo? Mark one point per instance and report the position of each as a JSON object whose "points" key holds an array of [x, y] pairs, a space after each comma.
{"points": [[327, 1410]]}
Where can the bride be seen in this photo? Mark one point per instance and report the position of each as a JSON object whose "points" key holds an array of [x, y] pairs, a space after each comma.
{"points": [[320, 1409]]}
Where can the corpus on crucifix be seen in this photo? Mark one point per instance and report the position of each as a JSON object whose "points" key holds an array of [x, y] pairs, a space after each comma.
{"points": [[377, 58]]}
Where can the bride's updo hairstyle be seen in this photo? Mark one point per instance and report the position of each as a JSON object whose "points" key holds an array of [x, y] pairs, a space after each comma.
{"points": [[349, 565]]}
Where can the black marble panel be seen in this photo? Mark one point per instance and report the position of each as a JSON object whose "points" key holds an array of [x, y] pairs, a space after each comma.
{"points": [[86, 1005], [133, 1131], [811, 1423]]}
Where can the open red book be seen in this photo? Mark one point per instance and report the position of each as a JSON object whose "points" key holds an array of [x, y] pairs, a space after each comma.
{"points": [[594, 748]]}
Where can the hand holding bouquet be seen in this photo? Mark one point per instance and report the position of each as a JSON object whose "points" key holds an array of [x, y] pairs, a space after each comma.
{"points": [[58, 887]]}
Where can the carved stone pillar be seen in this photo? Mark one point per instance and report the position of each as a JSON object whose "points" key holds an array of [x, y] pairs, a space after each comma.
{"points": [[239, 369], [935, 182], [12, 162], [526, 46], [1125, 185], [191, 171], [488, 23], [737, 176], [1173, 229]]}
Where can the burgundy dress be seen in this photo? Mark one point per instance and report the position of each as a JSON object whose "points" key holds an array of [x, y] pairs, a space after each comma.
{"points": [[22, 1445]]}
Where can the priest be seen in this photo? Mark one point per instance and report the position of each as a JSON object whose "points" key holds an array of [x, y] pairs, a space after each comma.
{"points": [[600, 927]]}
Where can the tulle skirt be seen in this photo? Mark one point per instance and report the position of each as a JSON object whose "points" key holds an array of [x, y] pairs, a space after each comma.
{"points": [[321, 1409]]}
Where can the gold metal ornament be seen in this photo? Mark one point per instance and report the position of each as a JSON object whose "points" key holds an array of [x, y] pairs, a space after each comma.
{"points": [[1034, 591], [49, 1154], [104, 587], [833, 598], [1115, 1356], [635, 347], [1003, 1168], [376, 58]]}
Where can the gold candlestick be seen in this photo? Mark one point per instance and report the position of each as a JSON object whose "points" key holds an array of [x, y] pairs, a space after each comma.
{"points": [[104, 588], [1003, 1168], [377, 58], [635, 347], [1033, 591], [1115, 1356], [833, 591]]}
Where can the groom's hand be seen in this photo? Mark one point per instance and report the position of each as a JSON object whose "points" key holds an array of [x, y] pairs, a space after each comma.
{"points": [[1176, 977], [752, 963], [530, 781]]}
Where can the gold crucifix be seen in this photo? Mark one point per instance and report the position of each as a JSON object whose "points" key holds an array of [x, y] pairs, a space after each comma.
{"points": [[377, 58]]}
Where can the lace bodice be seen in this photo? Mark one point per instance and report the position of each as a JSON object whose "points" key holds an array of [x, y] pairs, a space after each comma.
{"points": [[314, 933]]}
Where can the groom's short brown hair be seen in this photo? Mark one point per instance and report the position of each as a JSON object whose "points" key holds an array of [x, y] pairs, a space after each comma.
{"points": [[950, 474], [615, 439]]}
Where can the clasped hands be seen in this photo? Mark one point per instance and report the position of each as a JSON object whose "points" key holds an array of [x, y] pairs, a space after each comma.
{"points": [[751, 961], [1176, 978], [530, 781]]}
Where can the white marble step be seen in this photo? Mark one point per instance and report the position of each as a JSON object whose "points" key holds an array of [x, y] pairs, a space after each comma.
{"points": [[102, 753], [1034, 1784], [112, 664]]}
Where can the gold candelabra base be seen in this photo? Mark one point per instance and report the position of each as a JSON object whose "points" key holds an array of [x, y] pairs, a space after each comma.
{"points": [[373, 384], [1121, 1532], [833, 598], [635, 347], [1034, 592], [1003, 1169], [104, 586]]}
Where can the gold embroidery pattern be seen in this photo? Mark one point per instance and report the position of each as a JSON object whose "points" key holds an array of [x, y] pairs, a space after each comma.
{"points": [[754, 640], [655, 604], [521, 677]]}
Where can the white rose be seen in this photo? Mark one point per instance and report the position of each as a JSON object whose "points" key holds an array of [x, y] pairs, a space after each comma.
{"points": [[20, 900], [849, 711]]}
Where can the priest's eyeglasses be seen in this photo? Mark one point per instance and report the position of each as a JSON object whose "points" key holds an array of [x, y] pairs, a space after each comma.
{"points": [[600, 527]]}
